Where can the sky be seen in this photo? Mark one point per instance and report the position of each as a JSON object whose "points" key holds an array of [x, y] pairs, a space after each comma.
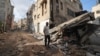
{"points": [[22, 6], [88, 4]]}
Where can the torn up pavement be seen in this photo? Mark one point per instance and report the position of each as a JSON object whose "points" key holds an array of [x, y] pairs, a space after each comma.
{"points": [[72, 37]]}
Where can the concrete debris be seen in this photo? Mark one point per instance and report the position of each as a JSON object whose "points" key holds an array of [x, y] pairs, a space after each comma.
{"points": [[67, 40], [38, 36], [72, 35], [42, 52], [14, 45]]}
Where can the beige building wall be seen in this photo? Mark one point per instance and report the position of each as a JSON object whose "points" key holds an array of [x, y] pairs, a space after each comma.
{"points": [[41, 14], [53, 10]]}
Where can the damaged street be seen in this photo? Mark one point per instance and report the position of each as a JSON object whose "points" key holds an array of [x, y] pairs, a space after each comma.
{"points": [[64, 41], [23, 44], [49, 28]]}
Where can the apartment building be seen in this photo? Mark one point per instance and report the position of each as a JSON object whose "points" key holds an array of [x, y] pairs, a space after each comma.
{"points": [[96, 10], [6, 12], [30, 22], [54, 11]]}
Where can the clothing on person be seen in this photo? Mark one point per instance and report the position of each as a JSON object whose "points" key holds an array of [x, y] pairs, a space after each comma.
{"points": [[46, 30], [47, 40], [47, 35]]}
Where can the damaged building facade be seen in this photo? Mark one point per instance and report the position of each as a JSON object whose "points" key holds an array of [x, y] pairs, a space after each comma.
{"points": [[55, 12], [96, 10]]}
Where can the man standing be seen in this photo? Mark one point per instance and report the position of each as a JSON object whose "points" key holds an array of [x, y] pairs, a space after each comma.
{"points": [[47, 35]]}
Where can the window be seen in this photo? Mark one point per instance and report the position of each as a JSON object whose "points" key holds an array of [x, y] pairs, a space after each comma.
{"points": [[42, 10], [80, 6], [38, 27], [61, 5], [98, 12], [45, 5], [57, 1], [70, 12], [38, 16], [57, 9], [34, 17]]}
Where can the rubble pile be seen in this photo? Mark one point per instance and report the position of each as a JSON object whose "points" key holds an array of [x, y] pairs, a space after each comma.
{"points": [[72, 35], [39, 50], [76, 51], [13, 44], [69, 49]]}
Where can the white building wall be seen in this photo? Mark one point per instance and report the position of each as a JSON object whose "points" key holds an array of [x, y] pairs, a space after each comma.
{"points": [[42, 19], [96, 10], [42, 25]]}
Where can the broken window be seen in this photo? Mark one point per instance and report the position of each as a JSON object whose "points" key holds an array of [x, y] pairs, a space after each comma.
{"points": [[80, 6], [34, 17], [42, 9], [70, 12], [45, 5], [57, 9], [61, 5], [98, 12]]}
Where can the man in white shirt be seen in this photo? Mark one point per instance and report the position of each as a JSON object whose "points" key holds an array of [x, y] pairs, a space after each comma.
{"points": [[47, 34]]}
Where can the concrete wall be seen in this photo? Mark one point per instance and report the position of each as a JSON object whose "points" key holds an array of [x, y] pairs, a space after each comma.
{"points": [[96, 10], [41, 19], [42, 12], [63, 14]]}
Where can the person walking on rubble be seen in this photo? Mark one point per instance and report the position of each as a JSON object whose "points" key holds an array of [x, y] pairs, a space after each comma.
{"points": [[47, 35]]}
